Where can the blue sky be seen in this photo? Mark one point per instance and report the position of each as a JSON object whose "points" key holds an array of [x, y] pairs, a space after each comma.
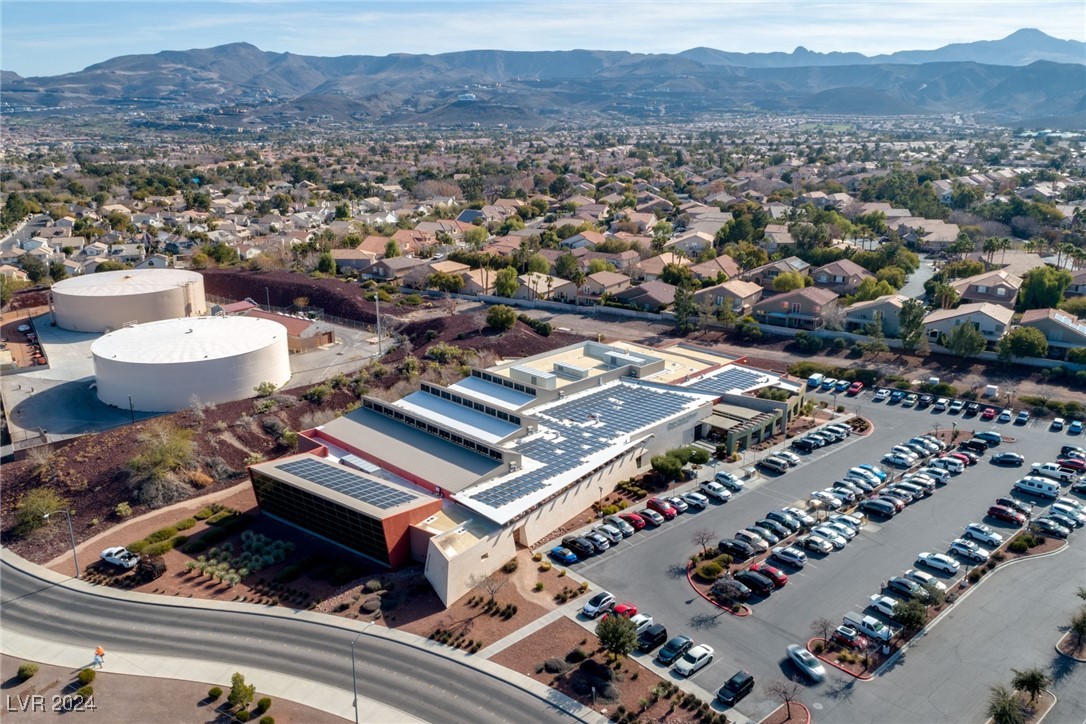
{"points": [[49, 37]]}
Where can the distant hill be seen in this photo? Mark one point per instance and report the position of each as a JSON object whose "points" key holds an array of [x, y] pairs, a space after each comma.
{"points": [[1025, 75]]}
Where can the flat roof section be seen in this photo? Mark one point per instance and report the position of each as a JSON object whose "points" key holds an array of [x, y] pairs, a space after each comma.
{"points": [[457, 417], [495, 394], [343, 485], [410, 449]]}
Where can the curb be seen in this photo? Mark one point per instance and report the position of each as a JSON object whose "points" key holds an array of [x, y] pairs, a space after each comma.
{"points": [[931, 624], [834, 664], [744, 611], [806, 711], [1068, 656]]}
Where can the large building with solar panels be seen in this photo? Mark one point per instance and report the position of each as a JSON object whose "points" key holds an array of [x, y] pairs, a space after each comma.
{"points": [[503, 457]]}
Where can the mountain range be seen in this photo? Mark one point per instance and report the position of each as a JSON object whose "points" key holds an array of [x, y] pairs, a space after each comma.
{"points": [[1025, 75]]}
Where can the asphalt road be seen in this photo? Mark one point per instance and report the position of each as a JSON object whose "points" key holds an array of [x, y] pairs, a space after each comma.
{"points": [[646, 570], [428, 686]]}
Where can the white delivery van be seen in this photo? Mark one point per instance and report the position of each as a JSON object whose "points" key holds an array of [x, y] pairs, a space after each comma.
{"points": [[1038, 486], [952, 465]]}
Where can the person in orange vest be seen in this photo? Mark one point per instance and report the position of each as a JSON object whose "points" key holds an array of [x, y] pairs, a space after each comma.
{"points": [[100, 652]]}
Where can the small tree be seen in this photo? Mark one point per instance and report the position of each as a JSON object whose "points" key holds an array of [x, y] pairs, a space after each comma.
{"points": [[32, 508], [703, 537], [1031, 681], [822, 627], [492, 585], [617, 634], [911, 614], [911, 324], [501, 317], [241, 693], [785, 690], [1078, 627], [965, 340], [1004, 707], [326, 263], [1023, 342]]}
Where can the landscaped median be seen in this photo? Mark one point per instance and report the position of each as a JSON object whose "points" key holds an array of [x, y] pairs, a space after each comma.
{"points": [[703, 584]]}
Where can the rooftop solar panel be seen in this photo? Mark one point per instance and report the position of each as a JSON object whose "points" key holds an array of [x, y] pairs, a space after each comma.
{"points": [[348, 483]]}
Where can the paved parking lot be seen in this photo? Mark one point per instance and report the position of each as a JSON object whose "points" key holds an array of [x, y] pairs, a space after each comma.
{"points": [[648, 570]]}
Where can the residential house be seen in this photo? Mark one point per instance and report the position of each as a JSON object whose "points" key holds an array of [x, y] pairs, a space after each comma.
{"points": [[155, 261], [765, 274], [713, 268], [1078, 284], [412, 241], [395, 268], [777, 238], [585, 239], [843, 276], [651, 296], [357, 259], [600, 283], [992, 320], [998, 287], [690, 243], [626, 220], [807, 308], [650, 269], [13, 273], [885, 310], [927, 234], [737, 295], [417, 277], [1063, 331], [478, 281], [623, 261], [533, 286]]}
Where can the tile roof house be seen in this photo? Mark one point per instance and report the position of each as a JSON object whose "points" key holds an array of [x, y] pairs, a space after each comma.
{"points": [[842, 276], [1078, 284], [886, 309], [1063, 331], [691, 243], [395, 268], [807, 308], [533, 285], [358, 259], [479, 281], [600, 283], [652, 296], [713, 268], [777, 237], [991, 320], [736, 294], [998, 287], [765, 274], [651, 268]]}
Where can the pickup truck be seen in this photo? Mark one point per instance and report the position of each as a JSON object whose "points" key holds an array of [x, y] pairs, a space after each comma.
{"points": [[1055, 471]]}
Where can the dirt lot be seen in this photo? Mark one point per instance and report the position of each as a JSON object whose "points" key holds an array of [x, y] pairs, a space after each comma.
{"points": [[123, 699]]}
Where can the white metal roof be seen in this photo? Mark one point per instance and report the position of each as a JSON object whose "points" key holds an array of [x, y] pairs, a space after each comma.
{"points": [[188, 340], [125, 282]]}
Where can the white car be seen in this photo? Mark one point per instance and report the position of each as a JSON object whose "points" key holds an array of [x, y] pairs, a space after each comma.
{"points": [[1006, 415], [845, 531], [678, 503], [850, 521], [956, 406], [815, 543], [611, 533], [800, 515], [969, 550], [791, 555], [830, 501], [1058, 423], [925, 579], [789, 456], [941, 404], [715, 490], [898, 461], [120, 556], [906, 452], [695, 500], [807, 662], [23, 328], [882, 604], [881, 394], [730, 481], [833, 536], [752, 539], [602, 602], [694, 660], [982, 533], [938, 561], [641, 622]]}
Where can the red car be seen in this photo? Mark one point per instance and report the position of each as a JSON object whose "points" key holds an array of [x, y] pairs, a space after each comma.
{"points": [[855, 388], [988, 414], [626, 609], [633, 519], [779, 577], [662, 507], [849, 638], [1002, 512], [964, 457], [1073, 463]]}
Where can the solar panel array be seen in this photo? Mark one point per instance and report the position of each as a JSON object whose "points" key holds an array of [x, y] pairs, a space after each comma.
{"points": [[732, 378], [348, 483], [611, 412]]}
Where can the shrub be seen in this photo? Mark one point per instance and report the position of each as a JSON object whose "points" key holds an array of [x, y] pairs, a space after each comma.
{"points": [[710, 571], [290, 573], [85, 692], [27, 670], [577, 655], [510, 566], [317, 394], [161, 548], [538, 586], [501, 317], [214, 693], [242, 715], [162, 534], [185, 524], [86, 676], [1018, 546], [33, 506], [138, 546], [122, 510], [267, 720], [263, 704], [556, 666]]}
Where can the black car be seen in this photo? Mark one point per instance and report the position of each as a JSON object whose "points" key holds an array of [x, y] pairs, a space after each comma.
{"points": [[975, 444], [1015, 504], [781, 530], [970, 455], [1048, 526], [735, 688], [1069, 449], [674, 649], [907, 588], [581, 546], [803, 444], [784, 519], [755, 582], [1008, 458], [735, 548], [924, 401], [729, 589], [652, 637], [972, 408]]}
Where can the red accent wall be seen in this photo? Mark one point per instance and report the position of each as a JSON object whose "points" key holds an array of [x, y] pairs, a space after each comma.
{"points": [[398, 531]]}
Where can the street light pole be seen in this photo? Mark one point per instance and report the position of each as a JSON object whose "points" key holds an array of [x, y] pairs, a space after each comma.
{"points": [[354, 679], [601, 501], [71, 534], [267, 298]]}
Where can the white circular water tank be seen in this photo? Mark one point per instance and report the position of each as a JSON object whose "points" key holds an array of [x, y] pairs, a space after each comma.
{"points": [[164, 366], [110, 300]]}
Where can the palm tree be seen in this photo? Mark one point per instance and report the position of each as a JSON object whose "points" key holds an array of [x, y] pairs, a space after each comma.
{"points": [[944, 295], [1004, 707], [991, 246], [1031, 681], [1004, 244]]}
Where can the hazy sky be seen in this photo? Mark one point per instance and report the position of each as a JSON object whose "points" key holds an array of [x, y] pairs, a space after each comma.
{"points": [[49, 37]]}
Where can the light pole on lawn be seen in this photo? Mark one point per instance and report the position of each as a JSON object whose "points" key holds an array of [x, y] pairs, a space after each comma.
{"points": [[71, 534]]}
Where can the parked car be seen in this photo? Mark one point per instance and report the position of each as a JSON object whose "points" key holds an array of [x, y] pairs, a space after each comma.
{"points": [[907, 587], [790, 555], [673, 649], [730, 480], [882, 474], [983, 534], [729, 589], [975, 444], [939, 562], [829, 383], [1006, 415], [988, 414], [1062, 519], [612, 534], [800, 515], [755, 541], [627, 609], [714, 490], [1075, 428], [807, 662], [991, 437], [695, 500], [910, 400], [737, 549], [1076, 464], [969, 550], [1073, 450], [1022, 417], [563, 555], [1051, 527], [651, 516], [834, 537], [852, 521], [641, 621], [781, 531], [926, 579], [651, 637], [735, 688], [815, 543], [1057, 424], [830, 501], [841, 386], [1007, 515], [634, 520], [1008, 458], [849, 638], [616, 522], [776, 575], [1068, 512], [805, 444], [898, 461], [775, 464], [1015, 504], [601, 603], [784, 519], [662, 507], [840, 529], [598, 540], [579, 545], [792, 458], [956, 406], [972, 408], [941, 404], [120, 556], [855, 388], [755, 581], [925, 400], [897, 396], [694, 660], [678, 503], [881, 394], [882, 604]]}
